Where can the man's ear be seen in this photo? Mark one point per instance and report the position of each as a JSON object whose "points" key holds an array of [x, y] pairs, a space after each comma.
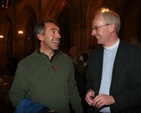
{"points": [[40, 37], [112, 28]]}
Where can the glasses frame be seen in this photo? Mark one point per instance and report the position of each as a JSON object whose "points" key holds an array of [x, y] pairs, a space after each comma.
{"points": [[96, 28]]}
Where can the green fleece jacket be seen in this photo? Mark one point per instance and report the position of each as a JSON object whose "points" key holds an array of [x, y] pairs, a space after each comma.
{"points": [[48, 82]]}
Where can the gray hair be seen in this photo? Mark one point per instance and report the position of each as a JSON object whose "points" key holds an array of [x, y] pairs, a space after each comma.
{"points": [[111, 17]]}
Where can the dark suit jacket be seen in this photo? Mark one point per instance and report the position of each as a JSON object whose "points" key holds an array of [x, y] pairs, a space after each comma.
{"points": [[126, 77]]}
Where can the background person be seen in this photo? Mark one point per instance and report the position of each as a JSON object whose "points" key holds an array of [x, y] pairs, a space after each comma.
{"points": [[11, 65], [136, 41], [84, 57], [79, 74]]}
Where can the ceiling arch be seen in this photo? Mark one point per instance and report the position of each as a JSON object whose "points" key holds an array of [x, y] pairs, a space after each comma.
{"points": [[130, 19], [7, 27], [90, 6], [54, 8], [26, 14]]}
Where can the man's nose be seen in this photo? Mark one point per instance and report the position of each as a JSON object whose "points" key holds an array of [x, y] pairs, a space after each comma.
{"points": [[93, 32], [58, 35]]}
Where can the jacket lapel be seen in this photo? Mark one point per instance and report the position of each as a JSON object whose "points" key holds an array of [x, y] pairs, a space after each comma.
{"points": [[119, 60], [100, 65]]}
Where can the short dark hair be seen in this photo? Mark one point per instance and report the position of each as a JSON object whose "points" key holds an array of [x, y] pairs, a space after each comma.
{"points": [[40, 28]]}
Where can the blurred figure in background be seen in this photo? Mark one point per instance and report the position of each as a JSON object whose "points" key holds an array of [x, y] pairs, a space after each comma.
{"points": [[79, 73], [136, 41], [11, 65], [84, 57], [79, 68]]}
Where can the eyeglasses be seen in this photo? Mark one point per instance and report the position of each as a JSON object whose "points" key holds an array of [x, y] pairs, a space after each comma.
{"points": [[96, 28]]}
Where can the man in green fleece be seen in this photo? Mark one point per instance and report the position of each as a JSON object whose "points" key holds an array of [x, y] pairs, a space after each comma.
{"points": [[47, 75]]}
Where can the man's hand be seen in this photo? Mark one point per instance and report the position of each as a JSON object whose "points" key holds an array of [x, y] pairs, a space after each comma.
{"points": [[51, 111], [89, 97], [102, 100]]}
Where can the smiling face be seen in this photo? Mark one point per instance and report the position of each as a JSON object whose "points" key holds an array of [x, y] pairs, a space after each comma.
{"points": [[101, 30], [51, 38]]}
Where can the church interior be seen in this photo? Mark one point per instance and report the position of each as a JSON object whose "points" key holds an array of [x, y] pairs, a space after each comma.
{"points": [[19, 17]]}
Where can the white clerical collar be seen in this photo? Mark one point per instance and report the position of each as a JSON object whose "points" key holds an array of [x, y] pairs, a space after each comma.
{"points": [[113, 46]]}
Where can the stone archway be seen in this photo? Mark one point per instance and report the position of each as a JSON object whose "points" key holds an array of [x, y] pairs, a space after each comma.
{"points": [[130, 19], [6, 43], [66, 27], [28, 20]]}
